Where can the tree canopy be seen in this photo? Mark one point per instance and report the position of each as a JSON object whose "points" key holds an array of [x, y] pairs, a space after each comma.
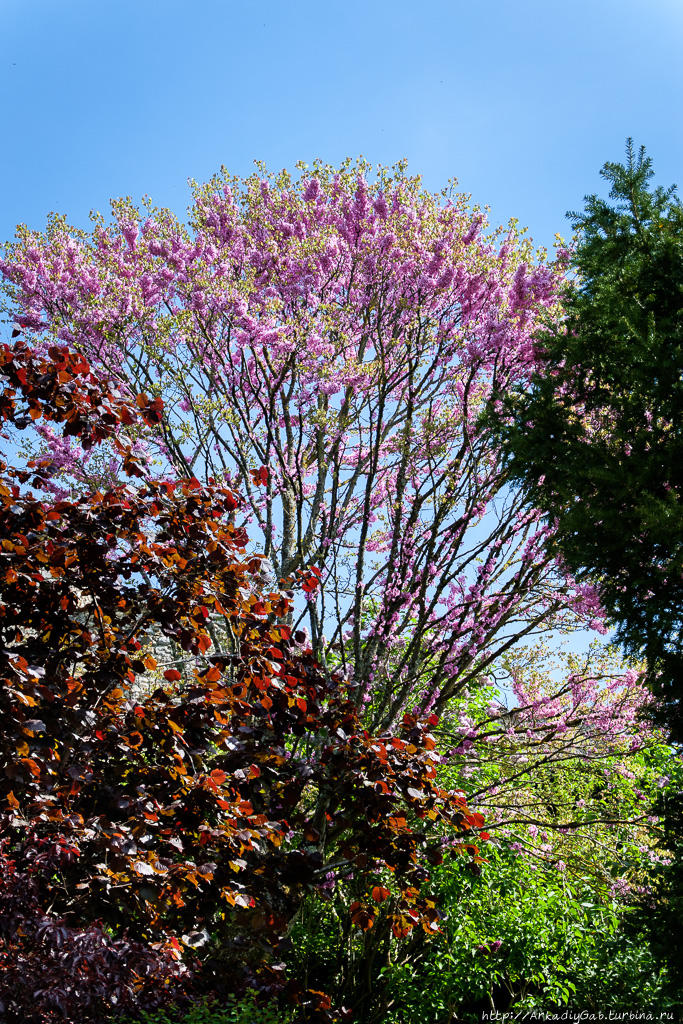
{"points": [[326, 345]]}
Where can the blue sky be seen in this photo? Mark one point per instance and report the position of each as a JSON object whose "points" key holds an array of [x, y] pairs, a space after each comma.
{"points": [[522, 101]]}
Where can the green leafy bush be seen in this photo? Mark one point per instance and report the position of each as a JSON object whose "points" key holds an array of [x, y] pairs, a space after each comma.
{"points": [[232, 1011], [528, 939], [515, 937]]}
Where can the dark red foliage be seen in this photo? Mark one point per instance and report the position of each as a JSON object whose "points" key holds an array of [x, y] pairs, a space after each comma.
{"points": [[160, 835], [51, 970]]}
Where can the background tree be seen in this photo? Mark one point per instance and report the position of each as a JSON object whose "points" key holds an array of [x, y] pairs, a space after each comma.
{"points": [[596, 440]]}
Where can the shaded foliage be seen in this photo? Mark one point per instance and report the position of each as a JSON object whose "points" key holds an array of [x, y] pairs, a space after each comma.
{"points": [[231, 1011], [662, 909]]}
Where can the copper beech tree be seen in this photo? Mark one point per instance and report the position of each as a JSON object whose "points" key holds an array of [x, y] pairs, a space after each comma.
{"points": [[159, 830]]}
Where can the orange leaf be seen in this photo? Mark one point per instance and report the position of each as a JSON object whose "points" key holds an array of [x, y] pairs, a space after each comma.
{"points": [[32, 765], [212, 675]]}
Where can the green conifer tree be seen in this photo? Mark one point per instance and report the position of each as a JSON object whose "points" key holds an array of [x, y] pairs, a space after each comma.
{"points": [[597, 440]]}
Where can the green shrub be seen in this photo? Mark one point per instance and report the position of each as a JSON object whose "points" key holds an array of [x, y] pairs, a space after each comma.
{"points": [[234, 1011], [513, 938], [529, 940]]}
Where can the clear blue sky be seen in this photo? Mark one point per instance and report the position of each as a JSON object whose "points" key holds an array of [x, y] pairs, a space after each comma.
{"points": [[522, 101]]}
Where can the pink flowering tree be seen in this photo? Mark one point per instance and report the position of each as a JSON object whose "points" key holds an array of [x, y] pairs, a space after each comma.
{"points": [[327, 345], [564, 770]]}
